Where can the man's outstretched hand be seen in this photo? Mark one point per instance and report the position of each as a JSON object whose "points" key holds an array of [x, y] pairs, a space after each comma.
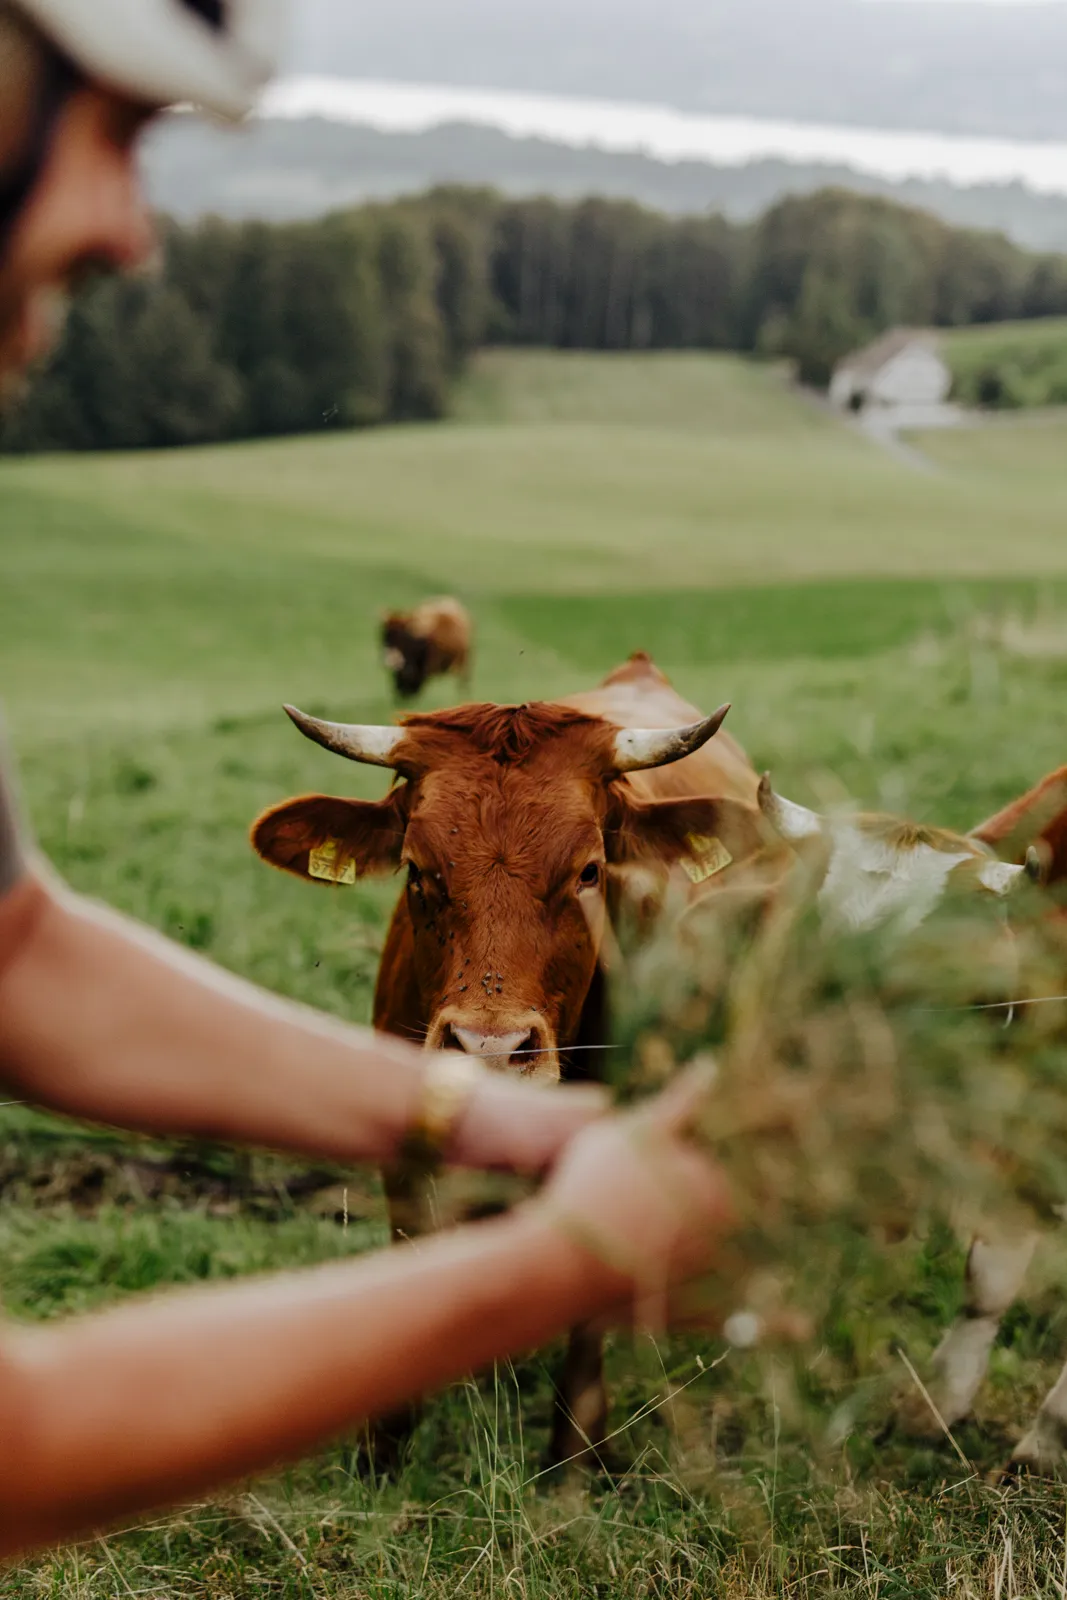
{"points": [[509, 1125]]}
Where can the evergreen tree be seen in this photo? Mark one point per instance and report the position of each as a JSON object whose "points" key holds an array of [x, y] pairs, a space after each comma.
{"points": [[417, 384], [370, 315]]}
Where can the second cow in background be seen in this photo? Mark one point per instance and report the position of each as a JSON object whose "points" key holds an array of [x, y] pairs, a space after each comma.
{"points": [[434, 639]]}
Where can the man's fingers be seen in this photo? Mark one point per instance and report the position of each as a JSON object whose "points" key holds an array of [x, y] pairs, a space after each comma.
{"points": [[677, 1109], [509, 1124]]}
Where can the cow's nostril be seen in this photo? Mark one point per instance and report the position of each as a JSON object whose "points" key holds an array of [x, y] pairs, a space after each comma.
{"points": [[527, 1057], [495, 1047], [500, 1050]]}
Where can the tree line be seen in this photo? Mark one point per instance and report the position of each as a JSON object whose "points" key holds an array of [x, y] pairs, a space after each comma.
{"points": [[369, 315]]}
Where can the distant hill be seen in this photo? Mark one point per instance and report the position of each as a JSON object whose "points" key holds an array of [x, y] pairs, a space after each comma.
{"points": [[283, 171]]}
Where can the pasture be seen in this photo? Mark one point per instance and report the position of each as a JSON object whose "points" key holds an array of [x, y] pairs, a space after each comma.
{"points": [[1009, 365], [897, 638]]}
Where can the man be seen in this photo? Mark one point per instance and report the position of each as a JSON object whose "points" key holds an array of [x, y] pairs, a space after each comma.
{"points": [[116, 1414]]}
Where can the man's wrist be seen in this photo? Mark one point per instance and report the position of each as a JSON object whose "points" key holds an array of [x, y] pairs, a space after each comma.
{"points": [[449, 1084], [592, 1242], [589, 1269]]}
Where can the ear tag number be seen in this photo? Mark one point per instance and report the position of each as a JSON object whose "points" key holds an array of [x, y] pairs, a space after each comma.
{"points": [[708, 857], [325, 863]]}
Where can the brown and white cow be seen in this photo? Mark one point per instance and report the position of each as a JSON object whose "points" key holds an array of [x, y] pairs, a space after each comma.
{"points": [[434, 639], [507, 821], [880, 870], [1031, 829]]}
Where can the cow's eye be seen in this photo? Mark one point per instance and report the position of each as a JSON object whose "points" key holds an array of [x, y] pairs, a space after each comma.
{"points": [[589, 877], [414, 876]]}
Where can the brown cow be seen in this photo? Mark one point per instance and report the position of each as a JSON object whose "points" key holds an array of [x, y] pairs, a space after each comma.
{"points": [[1038, 820], [434, 639], [507, 821]]}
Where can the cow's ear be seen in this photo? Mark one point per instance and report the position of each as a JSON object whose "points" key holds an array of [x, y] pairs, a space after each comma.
{"points": [[1037, 819], [703, 835], [332, 841]]}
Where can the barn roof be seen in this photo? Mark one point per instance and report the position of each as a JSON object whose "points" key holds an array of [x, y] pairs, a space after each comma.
{"points": [[872, 358]]}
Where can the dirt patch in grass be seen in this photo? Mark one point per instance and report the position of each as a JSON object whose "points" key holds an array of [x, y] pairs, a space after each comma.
{"points": [[84, 1181]]}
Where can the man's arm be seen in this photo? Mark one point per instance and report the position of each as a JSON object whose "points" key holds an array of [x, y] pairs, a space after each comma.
{"points": [[132, 1409], [102, 1019], [158, 1403]]}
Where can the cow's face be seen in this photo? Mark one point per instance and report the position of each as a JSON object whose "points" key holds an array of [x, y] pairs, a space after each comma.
{"points": [[506, 827], [405, 655], [506, 869], [879, 870]]}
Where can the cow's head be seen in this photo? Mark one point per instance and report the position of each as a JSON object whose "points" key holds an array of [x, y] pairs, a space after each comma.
{"points": [[881, 870], [405, 654], [506, 822]]}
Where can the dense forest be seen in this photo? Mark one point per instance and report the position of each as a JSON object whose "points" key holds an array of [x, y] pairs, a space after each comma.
{"points": [[369, 315]]}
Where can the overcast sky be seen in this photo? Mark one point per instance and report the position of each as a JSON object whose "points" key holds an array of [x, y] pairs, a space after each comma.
{"points": [[991, 68]]}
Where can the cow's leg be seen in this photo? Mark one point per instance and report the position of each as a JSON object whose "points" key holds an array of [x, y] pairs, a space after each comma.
{"points": [[581, 1409], [581, 1406], [386, 1438], [407, 1203], [1043, 1448], [995, 1276]]}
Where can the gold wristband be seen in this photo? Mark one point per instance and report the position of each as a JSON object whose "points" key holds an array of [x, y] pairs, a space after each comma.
{"points": [[447, 1090]]}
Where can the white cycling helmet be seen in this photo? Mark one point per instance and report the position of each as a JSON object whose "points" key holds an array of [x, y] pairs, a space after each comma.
{"points": [[215, 54]]}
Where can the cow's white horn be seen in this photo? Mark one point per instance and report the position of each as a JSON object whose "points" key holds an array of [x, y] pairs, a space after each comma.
{"points": [[1000, 877], [375, 746], [640, 749], [789, 821]]}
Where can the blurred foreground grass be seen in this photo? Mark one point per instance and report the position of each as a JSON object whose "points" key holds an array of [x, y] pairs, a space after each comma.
{"points": [[896, 638]]}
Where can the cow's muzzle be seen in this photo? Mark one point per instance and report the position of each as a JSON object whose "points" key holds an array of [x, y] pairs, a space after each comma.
{"points": [[521, 1044]]}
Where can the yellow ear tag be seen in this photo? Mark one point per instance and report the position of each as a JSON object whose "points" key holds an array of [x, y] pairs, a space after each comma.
{"points": [[325, 864], [709, 857]]}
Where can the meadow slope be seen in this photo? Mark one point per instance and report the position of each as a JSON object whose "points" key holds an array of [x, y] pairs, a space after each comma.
{"points": [[898, 638]]}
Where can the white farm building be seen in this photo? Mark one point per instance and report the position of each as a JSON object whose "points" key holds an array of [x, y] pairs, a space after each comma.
{"points": [[901, 376]]}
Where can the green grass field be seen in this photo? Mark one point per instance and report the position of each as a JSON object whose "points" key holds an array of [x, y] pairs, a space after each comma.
{"points": [[1033, 333], [896, 638], [1029, 360]]}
